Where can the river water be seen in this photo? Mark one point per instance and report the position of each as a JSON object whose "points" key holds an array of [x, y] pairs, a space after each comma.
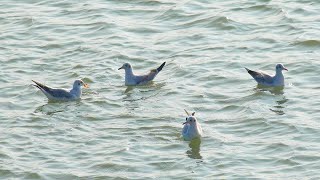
{"points": [[119, 132]]}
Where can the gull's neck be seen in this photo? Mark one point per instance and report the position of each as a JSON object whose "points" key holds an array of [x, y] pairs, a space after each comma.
{"points": [[76, 91], [279, 78], [129, 74], [279, 73]]}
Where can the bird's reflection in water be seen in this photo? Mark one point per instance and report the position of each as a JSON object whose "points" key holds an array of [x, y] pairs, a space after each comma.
{"points": [[128, 89], [281, 98], [272, 90], [151, 86], [194, 152], [132, 100], [53, 107], [279, 108]]}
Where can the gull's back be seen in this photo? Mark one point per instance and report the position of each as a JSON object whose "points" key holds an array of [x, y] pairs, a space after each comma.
{"points": [[59, 94], [261, 77], [143, 79]]}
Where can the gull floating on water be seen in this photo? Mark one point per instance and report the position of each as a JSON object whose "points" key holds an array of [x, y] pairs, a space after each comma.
{"points": [[269, 80], [62, 94], [191, 129], [132, 79]]}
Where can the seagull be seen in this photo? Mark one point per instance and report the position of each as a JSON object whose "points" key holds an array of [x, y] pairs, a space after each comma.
{"points": [[191, 129], [132, 79], [62, 94], [269, 80]]}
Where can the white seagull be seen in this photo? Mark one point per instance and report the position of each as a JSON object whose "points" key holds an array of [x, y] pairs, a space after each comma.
{"points": [[62, 94], [191, 129], [132, 79], [269, 80]]}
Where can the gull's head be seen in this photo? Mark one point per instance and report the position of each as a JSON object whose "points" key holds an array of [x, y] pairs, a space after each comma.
{"points": [[79, 83], [191, 120], [125, 66], [280, 67]]}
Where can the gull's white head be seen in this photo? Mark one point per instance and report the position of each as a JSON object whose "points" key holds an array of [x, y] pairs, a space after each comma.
{"points": [[125, 66], [280, 67], [191, 120], [79, 83]]}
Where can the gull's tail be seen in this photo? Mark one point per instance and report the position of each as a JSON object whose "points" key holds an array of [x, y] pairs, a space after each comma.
{"points": [[40, 86], [254, 74], [160, 68], [247, 69]]}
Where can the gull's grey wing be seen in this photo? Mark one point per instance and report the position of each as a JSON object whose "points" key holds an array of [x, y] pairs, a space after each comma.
{"points": [[60, 93], [53, 93], [146, 78], [260, 77], [150, 76]]}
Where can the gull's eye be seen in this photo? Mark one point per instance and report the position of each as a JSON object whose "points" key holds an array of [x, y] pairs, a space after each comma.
{"points": [[79, 84], [186, 119], [190, 120], [194, 120]]}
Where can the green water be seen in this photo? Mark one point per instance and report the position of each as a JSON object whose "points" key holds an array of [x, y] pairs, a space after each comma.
{"points": [[116, 132]]}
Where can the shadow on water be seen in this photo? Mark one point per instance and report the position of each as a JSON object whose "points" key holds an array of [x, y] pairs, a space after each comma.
{"points": [[279, 92], [194, 152]]}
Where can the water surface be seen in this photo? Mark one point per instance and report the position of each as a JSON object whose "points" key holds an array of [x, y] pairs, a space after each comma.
{"points": [[116, 132]]}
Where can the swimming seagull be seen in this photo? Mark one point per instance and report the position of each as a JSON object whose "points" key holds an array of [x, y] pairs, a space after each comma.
{"points": [[132, 79], [191, 129], [62, 94], [269, 80]]}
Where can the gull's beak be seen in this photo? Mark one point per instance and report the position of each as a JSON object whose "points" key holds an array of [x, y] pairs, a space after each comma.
{"points": [[120, 68], [185, 123], [85, 85], [285, 69]]}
